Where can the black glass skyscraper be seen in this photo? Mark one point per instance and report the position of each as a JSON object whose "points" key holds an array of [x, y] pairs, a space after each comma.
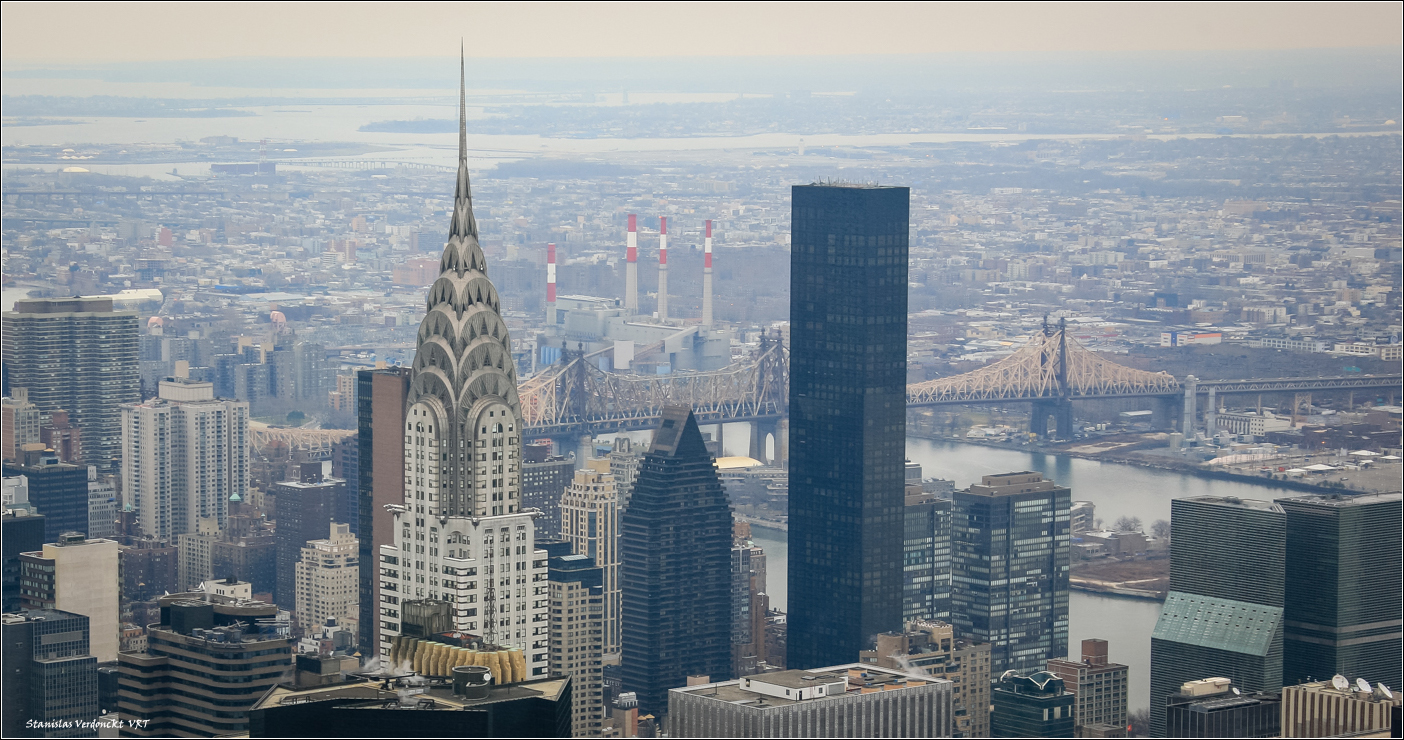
{"points": [[675, 541], [848, 368], [1341, 608]]}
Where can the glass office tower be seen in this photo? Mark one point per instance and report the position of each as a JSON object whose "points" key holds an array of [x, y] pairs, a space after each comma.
{"points": [[848, 319]]}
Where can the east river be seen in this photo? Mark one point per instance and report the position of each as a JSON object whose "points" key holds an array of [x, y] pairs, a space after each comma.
{"points": [[1116, 490]]}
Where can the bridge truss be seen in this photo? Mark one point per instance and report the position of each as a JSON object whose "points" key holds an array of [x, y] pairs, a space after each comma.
{"points": [[576, 397], [1051, 366]]}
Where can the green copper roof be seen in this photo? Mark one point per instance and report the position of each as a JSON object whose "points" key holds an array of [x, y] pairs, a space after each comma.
{"points": [[1222, 624]]}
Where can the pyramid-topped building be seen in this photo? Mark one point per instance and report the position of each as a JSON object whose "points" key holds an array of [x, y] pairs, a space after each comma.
{"points": [[462, 541]]}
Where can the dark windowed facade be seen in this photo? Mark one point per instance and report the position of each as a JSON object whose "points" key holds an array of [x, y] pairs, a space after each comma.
{"points": [[1223, 613], [305, 507], [1010, 550], [1036, 705], [676, 547], [20, 534], [926, 558], [50, 676], [57, 490], [1342, 604], [848, 368]]}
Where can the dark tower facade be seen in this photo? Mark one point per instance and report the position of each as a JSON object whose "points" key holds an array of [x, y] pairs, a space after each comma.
{"points": [[1342, 610], [848, 368], [676, 547]]}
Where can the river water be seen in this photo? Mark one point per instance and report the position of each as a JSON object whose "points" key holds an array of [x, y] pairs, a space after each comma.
{"points": [[1116, 490]]}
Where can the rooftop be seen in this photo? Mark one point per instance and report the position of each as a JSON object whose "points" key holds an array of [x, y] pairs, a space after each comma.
{"points": [[365, 693], [782, 688]]}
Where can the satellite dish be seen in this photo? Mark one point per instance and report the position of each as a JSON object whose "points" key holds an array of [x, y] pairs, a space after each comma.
{"points": [[1383, 691], [1362, 685], [1236, 692], [1340, 682]]}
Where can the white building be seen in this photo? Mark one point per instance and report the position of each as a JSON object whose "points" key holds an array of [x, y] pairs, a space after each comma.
{"points": [[183, 455], [328, 580], [590, 523], [195, 554], [461, 536], [102, 505], [234, 589], [86, 582]]}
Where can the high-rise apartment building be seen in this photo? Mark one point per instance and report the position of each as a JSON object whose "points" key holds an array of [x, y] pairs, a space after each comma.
{"points": [[184, 454], [926, 556], [76, 575], [21, 421], [577, 637], [328, 580], [51, 676], [1223, 613], [57, 490], [462, 536], [933, 649], [1099, 687], [589, 517], [148, 568], [545, 478], [60, 435], [305, 508], [847, 436], [851, 700], [624, 462], [103, 505], [1010, 553], [749, 603], [675, 539], [204, 667], [1031, 704], [1341, 608], [77, 355], [380, 471]]}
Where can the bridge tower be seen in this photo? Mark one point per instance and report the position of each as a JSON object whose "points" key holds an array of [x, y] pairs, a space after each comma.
{"points": [[1058, 403]]}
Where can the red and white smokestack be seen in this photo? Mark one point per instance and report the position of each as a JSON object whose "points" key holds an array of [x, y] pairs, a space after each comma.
{"points": [[551, 284], [631, 267], [707, 277], [663, 268]]}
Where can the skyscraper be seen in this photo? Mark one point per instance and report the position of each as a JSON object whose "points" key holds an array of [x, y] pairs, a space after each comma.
{"points": [[57, 490], [590, 523], [1009, 568], [184, 454], [327, 583], [577, 637], [675, 538], [50, 674], [76, 575], [380, 470], [1342, 601], [79, 355], [848, 367], [305, 508], [461, 535], [926, 556], [1223, 613]]}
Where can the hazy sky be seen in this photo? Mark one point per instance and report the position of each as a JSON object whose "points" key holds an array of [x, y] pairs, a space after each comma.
{"points": [[125, 32]]}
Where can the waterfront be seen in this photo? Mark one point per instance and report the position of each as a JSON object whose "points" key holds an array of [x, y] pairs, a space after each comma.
{"points": [[1116, 490]]}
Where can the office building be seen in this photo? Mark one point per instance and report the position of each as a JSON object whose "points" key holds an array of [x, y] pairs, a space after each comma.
{"points": [[328, 581], [589, 516], [102, 505], [1223, 613], [1098, 686], [1031, 704], [23, 531], [851, 700], [80, 356], [76, 575], [56, 489], [1342, 602], [545, 478], [467, 707], [624, 461], [1010, 556], [380, 471], [675, 539], [184, 454], [462, 536], [51, 675], [205, 665], [577, 637], [195, 562], [1213, 707], [306, 507], [931, 648], [926, 556], [749, 603], [848, 375], [1321, 709], [20, 421]]}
